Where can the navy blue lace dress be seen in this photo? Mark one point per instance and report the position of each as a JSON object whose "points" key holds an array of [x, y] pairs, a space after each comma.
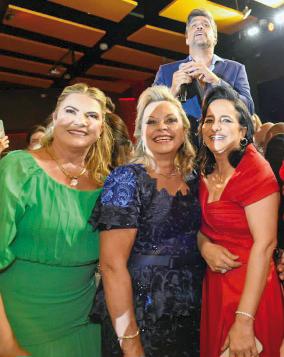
{"points": [[164, 264]]}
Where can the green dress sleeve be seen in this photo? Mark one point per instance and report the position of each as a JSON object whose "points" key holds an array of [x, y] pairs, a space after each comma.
{"points": [[13, 175]]}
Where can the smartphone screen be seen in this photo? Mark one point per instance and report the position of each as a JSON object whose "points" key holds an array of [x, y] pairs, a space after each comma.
{"points": [[2, 131]]}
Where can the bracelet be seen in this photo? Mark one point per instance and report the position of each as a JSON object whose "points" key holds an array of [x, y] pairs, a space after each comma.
{"points": [[245, 314], [128, 337]]}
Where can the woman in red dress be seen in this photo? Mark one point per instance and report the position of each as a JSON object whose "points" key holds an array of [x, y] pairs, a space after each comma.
{"points": [[239, 198]]}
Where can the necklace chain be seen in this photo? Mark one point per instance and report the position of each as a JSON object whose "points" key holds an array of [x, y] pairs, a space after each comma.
{"points": [[218, 180], [74, 179], [175, 172]]}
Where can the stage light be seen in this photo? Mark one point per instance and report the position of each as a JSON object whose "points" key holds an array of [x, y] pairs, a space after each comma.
{"points": [[279, 18], [253, 31], [54, 71], [103, 46], [270, 27]]}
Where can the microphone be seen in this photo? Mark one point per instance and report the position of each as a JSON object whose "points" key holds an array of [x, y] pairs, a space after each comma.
{"points": [[183, 92], [189, 90], [182, 96]]}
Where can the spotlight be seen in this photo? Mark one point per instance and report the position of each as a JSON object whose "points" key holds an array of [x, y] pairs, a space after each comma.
{"points": [[246, 12], [270, 27], [253, 31], [54, 71], [103, 46], [279, 18]]}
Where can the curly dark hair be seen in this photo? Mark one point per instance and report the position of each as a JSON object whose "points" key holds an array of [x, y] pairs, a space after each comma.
{"points": [[206, 159]]}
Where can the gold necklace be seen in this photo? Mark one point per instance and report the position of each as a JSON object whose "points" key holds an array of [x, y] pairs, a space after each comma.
{"points": [[218, 180], [175, 172], [74, 179]]}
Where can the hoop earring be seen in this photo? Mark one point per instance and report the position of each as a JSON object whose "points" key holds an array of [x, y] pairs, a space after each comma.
{"points": [[243, 142]]}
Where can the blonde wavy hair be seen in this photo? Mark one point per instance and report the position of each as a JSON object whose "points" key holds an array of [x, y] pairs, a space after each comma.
{"points": [[98, 158], [185, 157]]}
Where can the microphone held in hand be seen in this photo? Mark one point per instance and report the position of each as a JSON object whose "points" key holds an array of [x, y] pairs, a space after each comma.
{"points": [[183, 92], [189, 90]]}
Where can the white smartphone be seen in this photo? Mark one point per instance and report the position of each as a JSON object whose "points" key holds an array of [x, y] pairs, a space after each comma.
{"points": [[258, 344], [2, 131]]}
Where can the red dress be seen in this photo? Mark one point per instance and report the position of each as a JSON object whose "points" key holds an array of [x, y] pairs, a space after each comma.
{"points": [[224, 222]]}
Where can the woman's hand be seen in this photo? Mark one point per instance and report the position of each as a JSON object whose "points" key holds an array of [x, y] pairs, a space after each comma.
{"points": [[218, 258], [240, 339], [4, 143]]}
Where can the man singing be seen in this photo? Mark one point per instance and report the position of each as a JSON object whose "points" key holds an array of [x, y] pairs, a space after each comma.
{"points": [[204, 66]]}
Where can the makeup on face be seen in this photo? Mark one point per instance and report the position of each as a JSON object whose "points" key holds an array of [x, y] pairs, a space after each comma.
{"points": [[80, 118], [162, 128], [221, 129]]}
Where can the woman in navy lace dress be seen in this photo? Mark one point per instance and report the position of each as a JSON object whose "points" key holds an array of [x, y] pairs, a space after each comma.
{"points": [[148, 217]]}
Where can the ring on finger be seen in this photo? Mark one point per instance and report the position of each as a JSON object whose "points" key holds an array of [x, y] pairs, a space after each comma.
{"points": [[223, 271]]}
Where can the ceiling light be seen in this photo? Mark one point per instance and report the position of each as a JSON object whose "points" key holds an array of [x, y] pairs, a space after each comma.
{"points": [[246, 12], [54, 71], [103, 46], [253, 31], [279, 18]]}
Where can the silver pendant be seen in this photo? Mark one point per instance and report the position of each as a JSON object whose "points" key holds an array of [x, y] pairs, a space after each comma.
{"points": [[74, 182]]}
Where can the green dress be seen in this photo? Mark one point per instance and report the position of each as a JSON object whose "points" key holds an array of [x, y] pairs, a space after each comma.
{"points": [[47, 260]]}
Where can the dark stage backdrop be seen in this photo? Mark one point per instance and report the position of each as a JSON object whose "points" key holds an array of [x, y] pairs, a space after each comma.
{"points": [[271, 100]]}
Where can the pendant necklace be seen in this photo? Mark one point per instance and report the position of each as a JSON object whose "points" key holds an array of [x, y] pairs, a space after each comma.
{"points": [[74, 179]]}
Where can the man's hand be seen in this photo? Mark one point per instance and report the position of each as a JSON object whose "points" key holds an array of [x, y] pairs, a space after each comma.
{"points": [[179, 77], [201, 72]]}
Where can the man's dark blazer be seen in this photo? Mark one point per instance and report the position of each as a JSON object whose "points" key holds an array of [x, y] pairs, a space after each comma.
{"points": [[230, 72]]}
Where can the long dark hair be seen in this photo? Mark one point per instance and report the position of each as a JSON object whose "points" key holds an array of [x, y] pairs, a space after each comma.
{"points": [[206, 159], [122, 145]]}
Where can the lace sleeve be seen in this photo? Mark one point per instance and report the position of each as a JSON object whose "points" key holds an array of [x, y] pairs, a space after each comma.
{"points": [[118, 206]]}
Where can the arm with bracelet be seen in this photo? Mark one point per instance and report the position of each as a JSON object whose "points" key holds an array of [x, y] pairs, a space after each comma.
{"points": [[115, 248], [241, 335], [117, 221]]}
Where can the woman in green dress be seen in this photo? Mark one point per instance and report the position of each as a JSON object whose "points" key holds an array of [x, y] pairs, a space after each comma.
{"points": [[47, 247]]}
